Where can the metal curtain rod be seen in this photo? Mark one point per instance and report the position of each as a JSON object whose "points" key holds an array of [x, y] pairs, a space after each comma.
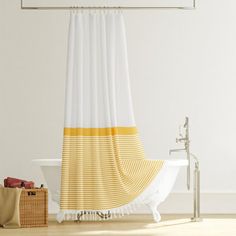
{"points": [[106, 7]]}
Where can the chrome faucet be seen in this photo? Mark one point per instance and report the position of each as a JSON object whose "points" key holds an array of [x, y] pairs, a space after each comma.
{"points": [[184, 138]]}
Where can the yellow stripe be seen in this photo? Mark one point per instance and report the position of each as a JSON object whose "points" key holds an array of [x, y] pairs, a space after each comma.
{"points": [[111, 131], [103, 172]]}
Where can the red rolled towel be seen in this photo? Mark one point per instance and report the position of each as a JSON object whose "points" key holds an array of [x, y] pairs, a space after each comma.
{"points": [[10, 182]]}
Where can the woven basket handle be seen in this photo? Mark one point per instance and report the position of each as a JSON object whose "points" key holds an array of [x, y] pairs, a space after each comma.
{"points": [[31, 193]]}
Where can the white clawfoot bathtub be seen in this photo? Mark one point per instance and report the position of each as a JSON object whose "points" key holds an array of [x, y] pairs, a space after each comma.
{"points": [[163, 184]]}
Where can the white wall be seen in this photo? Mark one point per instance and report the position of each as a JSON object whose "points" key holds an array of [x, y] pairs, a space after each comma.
{"points": [[181, 63]]}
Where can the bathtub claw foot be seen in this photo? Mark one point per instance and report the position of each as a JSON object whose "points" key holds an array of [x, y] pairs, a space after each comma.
{"points": [[104, 216], [156, 216], [79, 215]]}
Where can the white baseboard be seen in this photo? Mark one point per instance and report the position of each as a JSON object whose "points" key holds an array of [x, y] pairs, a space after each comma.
{"points": [[182, 203]]}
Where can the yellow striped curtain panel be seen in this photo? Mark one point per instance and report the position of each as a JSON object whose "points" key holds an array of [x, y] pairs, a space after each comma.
{"points": [[104, 169]]}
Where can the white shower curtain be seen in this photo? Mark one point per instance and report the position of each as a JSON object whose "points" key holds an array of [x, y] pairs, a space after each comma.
{"points": [[103, 163], [97, 72]]}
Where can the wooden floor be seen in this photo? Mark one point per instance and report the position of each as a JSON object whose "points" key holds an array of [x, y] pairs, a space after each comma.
{"points": [[174, 225]]}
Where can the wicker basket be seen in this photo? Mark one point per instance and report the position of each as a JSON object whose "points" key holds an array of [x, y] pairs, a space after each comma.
{"points": [[34, 207]]}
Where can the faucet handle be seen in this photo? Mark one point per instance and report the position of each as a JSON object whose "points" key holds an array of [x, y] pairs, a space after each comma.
{"points": [[179, 140]]}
